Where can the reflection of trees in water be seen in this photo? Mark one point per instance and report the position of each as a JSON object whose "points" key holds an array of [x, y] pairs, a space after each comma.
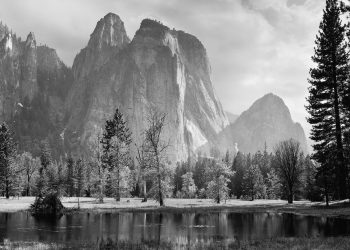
{"points": [[179, 228]]}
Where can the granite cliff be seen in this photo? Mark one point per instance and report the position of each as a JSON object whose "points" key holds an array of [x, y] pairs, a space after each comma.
{"points": [[33, 86], [159, 68], [268, 121]]}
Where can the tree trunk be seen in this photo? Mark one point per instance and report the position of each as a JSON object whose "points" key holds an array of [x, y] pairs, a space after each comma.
{"points": [[101, 186], [117, 195], [7, 191], [161, 202], [326, 192], [144, 190], [290, 198], [341, 169], [28, 186]]}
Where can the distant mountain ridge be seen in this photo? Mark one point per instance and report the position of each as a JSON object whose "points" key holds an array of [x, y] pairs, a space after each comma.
{"points": [[268, 121]]}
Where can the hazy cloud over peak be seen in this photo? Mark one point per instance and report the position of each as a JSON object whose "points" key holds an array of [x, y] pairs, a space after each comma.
{"points": [[255, 46]]}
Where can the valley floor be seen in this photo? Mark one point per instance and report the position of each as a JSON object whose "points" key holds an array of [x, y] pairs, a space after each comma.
{"points": [[338, 209]]}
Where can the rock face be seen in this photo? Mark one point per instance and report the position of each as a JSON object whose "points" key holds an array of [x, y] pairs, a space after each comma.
{"points": [[160, 68], [33, 85], [268, 121]]}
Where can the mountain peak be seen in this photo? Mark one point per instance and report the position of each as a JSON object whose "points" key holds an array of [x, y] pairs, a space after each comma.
{"points": [[151, 28], [107, 39], [6, 43], [31, 42], [270, 105], [3, 30], [109, 32], [150, 23], [273, 97]]}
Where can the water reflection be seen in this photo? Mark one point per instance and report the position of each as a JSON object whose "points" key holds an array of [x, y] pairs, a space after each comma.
{"points": [[179, 228]]}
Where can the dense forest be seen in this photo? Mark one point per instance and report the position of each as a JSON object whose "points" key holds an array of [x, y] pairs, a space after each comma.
{"points": [[112, 171]]}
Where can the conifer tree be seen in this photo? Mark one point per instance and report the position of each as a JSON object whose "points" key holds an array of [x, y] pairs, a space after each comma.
{"points": [[116, 158], [239, 168], [45, 161], [79, 177], [7, 154], [325, 102], [70, 177], [188, 187], [253, 183]]}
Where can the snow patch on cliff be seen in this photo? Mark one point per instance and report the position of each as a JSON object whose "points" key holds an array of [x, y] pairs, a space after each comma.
{"points": [[30, 43], [181, 80], [172, 43], [62, 134], [198, 138], [8, 44]]}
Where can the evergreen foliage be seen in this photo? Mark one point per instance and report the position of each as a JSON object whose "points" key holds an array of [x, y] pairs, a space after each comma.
{"points": [[253, 183], [327, 98], [116, 154], [188, 187], [8, 175]]}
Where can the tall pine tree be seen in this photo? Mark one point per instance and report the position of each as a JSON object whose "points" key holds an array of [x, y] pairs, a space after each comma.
{"points": [[325, 102], [45, 161], [7, 154], [116, 152]]}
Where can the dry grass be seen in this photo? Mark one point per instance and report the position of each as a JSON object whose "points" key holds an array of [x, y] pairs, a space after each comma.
{"points": [[339, 209]]}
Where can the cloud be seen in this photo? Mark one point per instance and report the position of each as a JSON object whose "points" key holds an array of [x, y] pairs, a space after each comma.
{"points": [[255, 46]]}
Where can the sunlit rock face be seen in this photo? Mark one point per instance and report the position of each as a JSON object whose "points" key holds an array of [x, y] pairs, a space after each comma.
{"points": [[33, 85], [160, 68], [268, 121], [108, 38]]}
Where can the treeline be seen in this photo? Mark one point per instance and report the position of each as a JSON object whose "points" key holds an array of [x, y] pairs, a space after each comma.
{"points": [[329, 102], [111, 170], [117, 168], [285, 174]]}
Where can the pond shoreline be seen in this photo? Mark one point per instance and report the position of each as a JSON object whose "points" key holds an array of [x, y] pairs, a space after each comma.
{"points": [[337, 209], [268, 244]]}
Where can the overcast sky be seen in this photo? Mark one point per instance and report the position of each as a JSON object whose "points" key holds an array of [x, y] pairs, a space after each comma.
{"points": [[254, 46]]}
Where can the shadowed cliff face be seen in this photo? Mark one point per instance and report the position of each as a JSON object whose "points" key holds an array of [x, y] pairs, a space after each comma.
{"points": [[160, 68], [268, 121], [33, 85]]}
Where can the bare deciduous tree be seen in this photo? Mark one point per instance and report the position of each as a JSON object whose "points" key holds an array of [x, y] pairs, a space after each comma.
{"points": [[143, 162], [156, 149], [289, 160], [97, 161]]}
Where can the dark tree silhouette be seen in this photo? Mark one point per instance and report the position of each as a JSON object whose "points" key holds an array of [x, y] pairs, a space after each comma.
{"points": [[325, 102], [7, 153]]}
